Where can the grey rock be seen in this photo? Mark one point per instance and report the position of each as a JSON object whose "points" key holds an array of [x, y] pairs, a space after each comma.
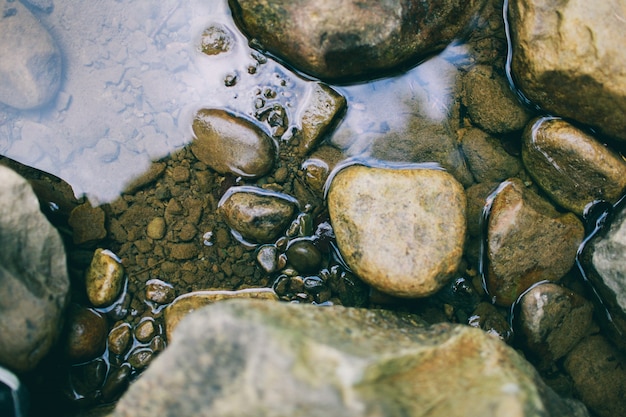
{"points": [[252, 358], [400, 230], [527, 241], [256, 214], [323, 109], [34, 283], [30, 61], [569, 59], [570, 165], [231, 144], [339, 39]]}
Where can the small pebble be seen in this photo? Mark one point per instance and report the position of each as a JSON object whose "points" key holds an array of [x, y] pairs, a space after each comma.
{"points": [[156, 228], [303, 255], [267, 258], [145, 330], [180, 174], [140, 358], [86, 335], [105, 278], [160, 292], [119, 339], [116, 382]]}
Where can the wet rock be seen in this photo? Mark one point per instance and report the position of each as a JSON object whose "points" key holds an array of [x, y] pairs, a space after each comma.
{"points": [[186, 303], [30, 61], [226, 359], [140, 358], [599, 374], [145, 330], [267, 258], [322, 110], [86, 334], [104, 278], [490, 102], [527, 241], [319, 165], [216, 39], [116, 382], [156, 228], [551, 320], [477, 196], [34, 283], [87, 224], [568, 60], [258, 215], [488, 318], [605, 268], [570, 165], [231, 144], [303, 255], [400, 230], [486, 158], [119, 339], [160, 292], [352, 38]]}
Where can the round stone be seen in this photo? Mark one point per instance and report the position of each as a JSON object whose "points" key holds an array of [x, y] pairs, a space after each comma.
{"points": [[145, 330], [303, 255], [231, 144], [119, 338], [156, 228], [400, 230], [105, 278], [160, 292], [86, 335], [267, 258]]}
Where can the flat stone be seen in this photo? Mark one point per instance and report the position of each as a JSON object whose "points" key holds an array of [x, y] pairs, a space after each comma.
{"points": [[257, 214], [104, 278], [30, 61], [400, 230], [34, 284], [187, 303], [552, 320], [339, 40], [527, 241], [323, 109], [570, 165], [569, 59], [228, 358], [231, 144]]}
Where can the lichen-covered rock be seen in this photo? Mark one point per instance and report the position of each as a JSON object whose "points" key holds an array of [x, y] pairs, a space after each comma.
{"points": [[339, 39], [230, 358], [570, 165], [34, 284], [231, 144], [400, 230], [527, 241], [569, 59]]}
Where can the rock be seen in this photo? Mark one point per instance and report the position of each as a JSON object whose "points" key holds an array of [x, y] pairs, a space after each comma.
{"points": [[160, 292], [227, 359], [116, 382], [256, 214], [267, 258], [605, 269], [488, 318], [184, 251], [527, 241], [550, 321], [145, 330], [400, 230], [303, 255], [323, 109], [86, 334], [477, 196], [104, 278], [319, 165], [216, 39], [186, 303], [30, 61], [598, 372], [231, 144], [87, 224], [34, 283], [156, 228], [352, 39], [490, 102], [119, 339], [569, 60], [486, 158], [570, 165]]}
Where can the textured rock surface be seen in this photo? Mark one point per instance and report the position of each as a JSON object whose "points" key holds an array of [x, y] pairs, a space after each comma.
{"points": [[104, 278], [231, 144], [323, 109], [334, 40], [570, 165], [251, 358], [527, 241], [34, 283], [30, 62], [569, 59], [486, 158], [400, 230]]}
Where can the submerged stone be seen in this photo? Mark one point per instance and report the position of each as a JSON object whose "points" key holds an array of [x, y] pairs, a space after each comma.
{"points": [[332, 39], [231, 144], [569, 59], [230, 358], [400, 230], [527, 241], [570, 165]]}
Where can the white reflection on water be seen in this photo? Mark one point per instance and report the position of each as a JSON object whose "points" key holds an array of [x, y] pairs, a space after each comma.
{"points": [[134, 77]]}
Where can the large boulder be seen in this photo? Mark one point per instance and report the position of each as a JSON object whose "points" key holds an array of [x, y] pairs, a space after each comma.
{"points": [[258, 358], [34, 283], [569, 58], [332, 39]]}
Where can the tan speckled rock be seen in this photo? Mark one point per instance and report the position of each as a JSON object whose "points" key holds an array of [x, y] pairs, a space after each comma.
{"points": [[104, 278], [400, 230]]}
